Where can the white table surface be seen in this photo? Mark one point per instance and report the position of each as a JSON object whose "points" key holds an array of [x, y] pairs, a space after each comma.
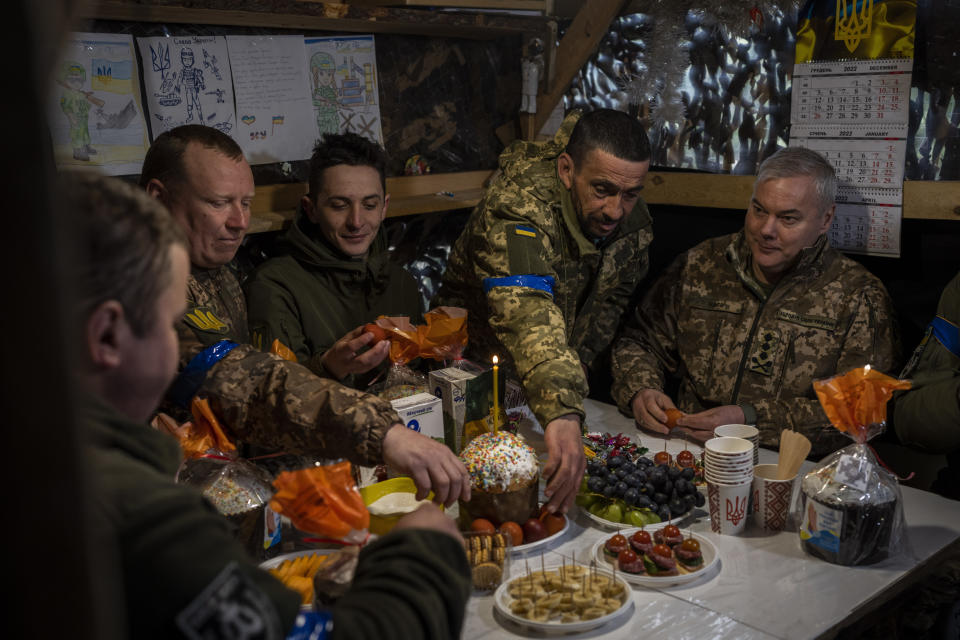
{"points": [[766, 587]]}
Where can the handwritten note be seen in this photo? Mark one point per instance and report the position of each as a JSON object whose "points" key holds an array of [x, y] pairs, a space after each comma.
{"points": [[274, 113]]}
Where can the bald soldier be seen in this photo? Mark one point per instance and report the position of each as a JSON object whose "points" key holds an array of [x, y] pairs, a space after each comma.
{"points": [[547, 265], [748, 321], [200, 174]]}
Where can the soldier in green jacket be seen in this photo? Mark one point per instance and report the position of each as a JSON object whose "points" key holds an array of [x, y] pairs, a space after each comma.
{"points": [[200, 174], [547, 265], [928, 415], [748, 321], [178, 571], [333, 273]]}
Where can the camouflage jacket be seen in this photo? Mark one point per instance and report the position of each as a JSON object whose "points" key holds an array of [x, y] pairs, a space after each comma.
{"points": [[928, 415], [311, 295], [270, 402], [709, 322], [535, 287]]}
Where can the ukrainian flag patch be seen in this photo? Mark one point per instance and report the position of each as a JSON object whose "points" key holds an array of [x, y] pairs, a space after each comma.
{"points": [[521, 230]]}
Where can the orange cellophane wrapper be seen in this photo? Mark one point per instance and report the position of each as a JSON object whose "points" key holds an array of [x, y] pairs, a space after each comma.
{"points": [[443, 337], [282, 350], [203, 435], [321, 500], [857, 399]]}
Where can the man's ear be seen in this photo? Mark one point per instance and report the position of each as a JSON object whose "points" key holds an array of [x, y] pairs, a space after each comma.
{"points": [[565, 169], [155, 189], [107, 331], [828, 218], [308, 209]]}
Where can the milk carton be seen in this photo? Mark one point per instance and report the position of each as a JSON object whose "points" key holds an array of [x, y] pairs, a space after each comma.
{"points": [[450, 385], [421, 412]]}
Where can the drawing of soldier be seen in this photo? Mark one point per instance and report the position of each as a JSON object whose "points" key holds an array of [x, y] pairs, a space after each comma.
{"points": [[75, 103], [322, 69], [191, 79]]}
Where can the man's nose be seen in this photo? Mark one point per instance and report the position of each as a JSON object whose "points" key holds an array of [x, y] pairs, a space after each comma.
{"points": [[769, 227], [613, 207], [239, 217], [355, 217]]}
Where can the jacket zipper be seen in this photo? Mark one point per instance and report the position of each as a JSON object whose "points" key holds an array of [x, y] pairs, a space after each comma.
{"points": [[746, 350], [787, 360], [716, 345]]}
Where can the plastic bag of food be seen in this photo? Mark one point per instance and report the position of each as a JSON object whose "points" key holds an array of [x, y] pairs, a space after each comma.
{"points": [[333, 577], [241, 492], [323, 500], [851, 511], [203, 435]]}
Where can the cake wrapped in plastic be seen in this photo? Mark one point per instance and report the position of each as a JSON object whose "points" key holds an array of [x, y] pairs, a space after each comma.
{"points": [[504, 476], [850, 510]]}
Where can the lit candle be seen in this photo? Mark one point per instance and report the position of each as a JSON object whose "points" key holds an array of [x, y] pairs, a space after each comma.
{"points": [[496, 393]]}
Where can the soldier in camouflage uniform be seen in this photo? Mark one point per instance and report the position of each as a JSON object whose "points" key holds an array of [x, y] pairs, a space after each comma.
{"points": [[749, 321], [547, 264], [928, 415], [200, 174]]}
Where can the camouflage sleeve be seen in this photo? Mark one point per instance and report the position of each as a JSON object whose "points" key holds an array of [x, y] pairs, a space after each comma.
{"points": [[272, 315], [271, 402], [870, 338], [928, 415], [647, 345], [511, 259]]}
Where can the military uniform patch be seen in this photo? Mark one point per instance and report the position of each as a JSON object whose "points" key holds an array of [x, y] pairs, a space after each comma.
{"points": [[231, 606], [764, 353], [815, 322], [525, 250], [203, 319]]}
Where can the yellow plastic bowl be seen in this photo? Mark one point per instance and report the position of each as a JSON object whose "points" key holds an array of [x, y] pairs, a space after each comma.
{"points": [[381, 525]]}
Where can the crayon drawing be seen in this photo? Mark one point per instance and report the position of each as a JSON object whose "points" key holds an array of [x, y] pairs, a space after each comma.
{"points": [[187, 81], [343, 85], [95, 116]]}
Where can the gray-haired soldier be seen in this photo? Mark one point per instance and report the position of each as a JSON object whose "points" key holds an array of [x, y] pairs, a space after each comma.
{"points": [[748, 321]]}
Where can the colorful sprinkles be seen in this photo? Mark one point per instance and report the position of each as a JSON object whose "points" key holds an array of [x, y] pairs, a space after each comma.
{"points": [[495, 460]]}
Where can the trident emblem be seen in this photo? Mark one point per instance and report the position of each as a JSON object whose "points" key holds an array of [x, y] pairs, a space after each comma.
{"points": [[736, 510], [855, 26]]}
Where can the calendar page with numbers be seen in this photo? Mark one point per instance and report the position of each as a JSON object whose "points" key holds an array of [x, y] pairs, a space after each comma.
{"points": [[854, 112]]}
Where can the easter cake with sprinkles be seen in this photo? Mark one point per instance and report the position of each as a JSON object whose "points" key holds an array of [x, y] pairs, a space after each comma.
{"points": [[504, 475]]}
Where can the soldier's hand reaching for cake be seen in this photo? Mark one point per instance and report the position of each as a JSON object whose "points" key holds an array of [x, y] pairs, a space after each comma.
{"points": [[566, 462], [432, 465]]}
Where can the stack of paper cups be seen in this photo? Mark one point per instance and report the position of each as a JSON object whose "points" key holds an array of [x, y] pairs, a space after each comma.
{"points": [[728, 469], [745, 431]]}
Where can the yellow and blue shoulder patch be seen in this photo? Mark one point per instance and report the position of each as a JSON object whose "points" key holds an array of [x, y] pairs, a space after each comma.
{"points": [[523, 230], [203, 319]]}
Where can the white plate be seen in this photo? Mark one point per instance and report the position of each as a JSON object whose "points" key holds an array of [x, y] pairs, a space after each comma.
{"points": [[502, 600], [522, 548], [273, 563], [614, 526], [711, 558]]}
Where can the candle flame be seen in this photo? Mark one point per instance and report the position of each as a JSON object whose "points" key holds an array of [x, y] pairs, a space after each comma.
{"points": [[495, 360]]}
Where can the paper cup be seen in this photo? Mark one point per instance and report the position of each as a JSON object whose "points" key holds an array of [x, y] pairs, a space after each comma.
{"points": [[770, 500], [728, 507], [729, 478], [729, 464], [725, 447], [745, 431]]}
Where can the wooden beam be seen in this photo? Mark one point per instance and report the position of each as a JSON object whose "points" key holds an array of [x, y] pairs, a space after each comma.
{"points": [[312, 15], [578, 44], [275, 205], [922, 200]]}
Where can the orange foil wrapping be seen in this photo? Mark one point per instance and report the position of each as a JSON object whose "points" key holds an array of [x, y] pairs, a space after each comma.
{"points": [[321, 500], [443, 337], [857, 399]]}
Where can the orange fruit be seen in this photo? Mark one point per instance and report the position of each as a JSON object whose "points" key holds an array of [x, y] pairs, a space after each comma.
{"points": [[513, 531], [672, 416], [482, 525]]}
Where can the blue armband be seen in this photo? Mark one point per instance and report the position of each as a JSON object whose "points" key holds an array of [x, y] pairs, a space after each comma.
{"points": [[311, 625], [188, 382], [540, 283], [946, 334]]}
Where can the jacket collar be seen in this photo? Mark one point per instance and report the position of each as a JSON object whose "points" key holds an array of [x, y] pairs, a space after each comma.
{"points": [[304, 242], [813, 260]]}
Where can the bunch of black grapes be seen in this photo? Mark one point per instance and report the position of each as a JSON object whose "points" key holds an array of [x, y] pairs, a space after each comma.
{"points": [[668, 491]]}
